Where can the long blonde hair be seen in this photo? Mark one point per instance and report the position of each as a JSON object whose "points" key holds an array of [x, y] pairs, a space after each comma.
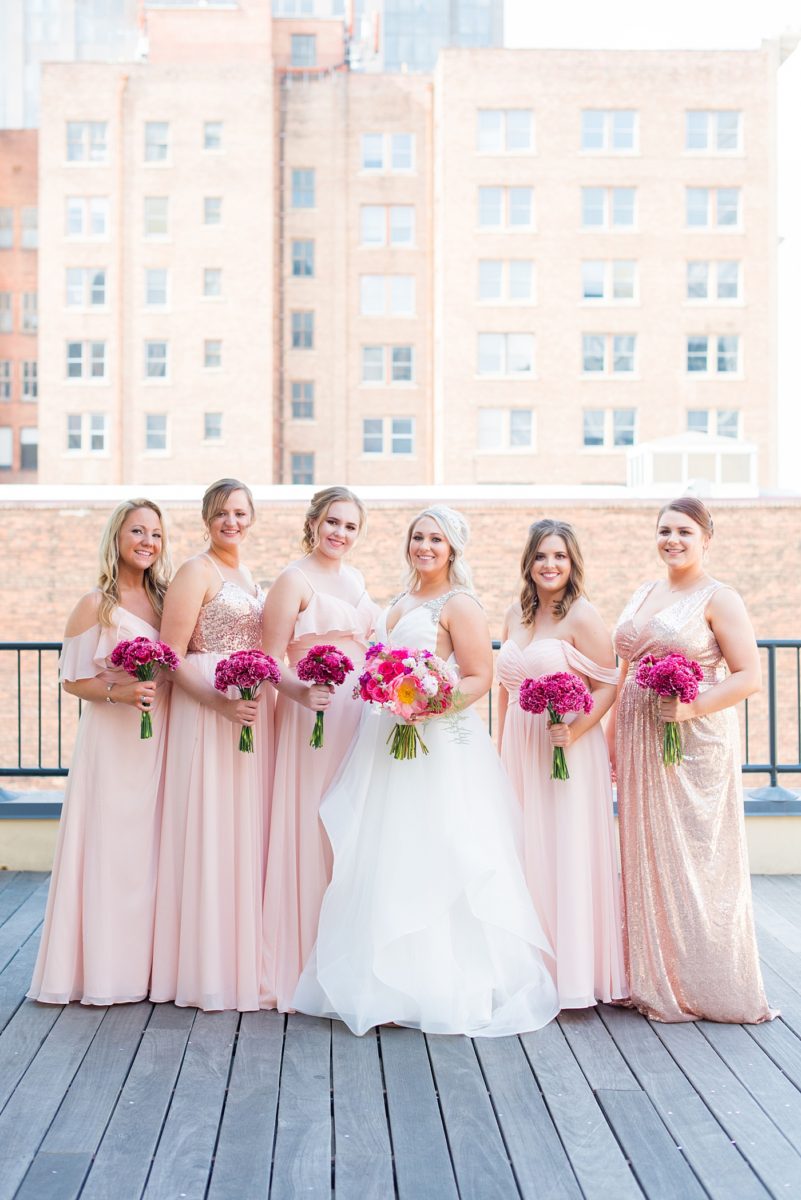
{"points": [[456, 531], [318, 507], [157, 575], [529, 600]]}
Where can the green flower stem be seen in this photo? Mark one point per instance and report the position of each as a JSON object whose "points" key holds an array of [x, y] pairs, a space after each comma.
{"points": [[316, 739], [559, 763], [144, 672], [246, 733], [403, 741], [672, 752]]}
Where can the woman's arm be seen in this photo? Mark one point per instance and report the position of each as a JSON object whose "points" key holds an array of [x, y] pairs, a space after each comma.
{"points": [[464, 621], [503, 695], [728, 618], [592, 639], [284, 602], [138, 693], [611, 724]]}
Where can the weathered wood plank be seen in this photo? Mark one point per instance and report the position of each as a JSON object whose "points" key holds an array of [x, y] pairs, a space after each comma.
{"points": [[361, 1134], [21, 924], [81, 1120], [16, 891], [784, 962], [6, 877], [479, 1157], [122, 1162], [655, 1158], [595, 1156], [183, 1158], [245, 1148], [772, 1090], [713, 1156], [302, 1157], [27, 1116], [541, 1166], [783, 892], [781, 1045], [21, 1041], [15, 978], [55, 1177], [776, 923], [423, 1168], [598, 1056], [759, 1141]]}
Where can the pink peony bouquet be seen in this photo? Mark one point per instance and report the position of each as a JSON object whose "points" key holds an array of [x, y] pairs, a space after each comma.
{"points": [[407, 683], [559, 693], [140, 658], [246, 670], [326, 665], [673, 675]]}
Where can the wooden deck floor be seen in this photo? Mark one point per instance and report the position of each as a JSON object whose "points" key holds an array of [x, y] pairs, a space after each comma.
{"points": [[159, 1102]]}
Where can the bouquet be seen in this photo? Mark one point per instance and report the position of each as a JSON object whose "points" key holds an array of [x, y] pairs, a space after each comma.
{"points": [[673, 675], [407, 683], [326, 665], [560, 693], [139, 658], [246, 670]]}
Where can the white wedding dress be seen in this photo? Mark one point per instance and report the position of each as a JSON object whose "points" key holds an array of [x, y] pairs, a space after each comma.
{"points": [[427, 921]]}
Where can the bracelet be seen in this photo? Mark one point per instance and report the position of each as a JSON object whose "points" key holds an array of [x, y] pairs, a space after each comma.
{"points": [[109, 686]]}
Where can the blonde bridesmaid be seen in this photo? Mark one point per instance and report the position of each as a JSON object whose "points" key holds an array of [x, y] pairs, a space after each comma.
{"points": [[689, 930], [317, 599], [569, 835], [207, 948], [97, 940]]}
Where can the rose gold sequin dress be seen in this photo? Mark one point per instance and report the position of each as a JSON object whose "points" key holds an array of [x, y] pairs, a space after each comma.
{"points": [[688, 926]]}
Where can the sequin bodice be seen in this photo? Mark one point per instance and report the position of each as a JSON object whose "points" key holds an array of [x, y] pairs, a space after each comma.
{"points": [[230, 621], [680, 626]]}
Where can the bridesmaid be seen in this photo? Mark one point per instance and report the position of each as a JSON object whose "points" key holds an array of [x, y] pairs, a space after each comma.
{"points": [[569, 834], [97, 940], [207, 947], [317, 599], [689, 931]]}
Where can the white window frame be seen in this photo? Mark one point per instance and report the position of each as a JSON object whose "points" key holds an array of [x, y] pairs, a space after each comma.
{"points": [[212, 350], [383, 361], [6, 448], [161, 305], [213, 439], [90, 139], [391, 434], [212, 216], [608, 445], [503, 268], [93, 352], [6, 227], [506, 353], [304, 41], [89, 208], [152, 431], [712, 125], [611, 353], [713, 354], [717, 414], [304, 258], [608, 209], [212, 283], [508, 195], [29, 236], [151, 362], [384, 157], [29, 392], [213, 134], [713, 210], [301, 398], [503, 419], [607, 128], [92, 430], [30, 312], [6, 312], [386, 291], [301, 190], [504, 118], [82, 286], [303, 329], [295, 470], [156, 212], [157, 144], [6, 381], [610, 269], [713, 282]]}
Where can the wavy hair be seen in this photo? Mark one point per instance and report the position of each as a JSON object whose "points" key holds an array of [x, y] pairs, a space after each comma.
{"points": [[456, 531], [320, 503], [692, 507], [157, 575], [529, 600]]}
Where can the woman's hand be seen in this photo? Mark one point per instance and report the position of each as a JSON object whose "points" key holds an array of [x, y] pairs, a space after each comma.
{"points": [[561, 734], [139, 693], [673, 709], [318, 697], [239, 711]]}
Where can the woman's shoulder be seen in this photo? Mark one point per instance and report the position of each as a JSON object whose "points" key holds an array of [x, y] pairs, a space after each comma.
{"points": [[459, 602], [724, 598], [583, 615], [85, 614]]}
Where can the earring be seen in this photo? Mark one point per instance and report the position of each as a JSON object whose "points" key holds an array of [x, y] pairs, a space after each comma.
{"points": [[206, 536], [452, 557]]}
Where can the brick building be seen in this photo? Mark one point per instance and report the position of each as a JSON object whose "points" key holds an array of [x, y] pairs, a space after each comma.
{"points": [[18, 306]]}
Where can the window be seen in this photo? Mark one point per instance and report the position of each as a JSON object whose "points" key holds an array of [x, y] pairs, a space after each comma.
{"points": [[6, 228], [387, 224], [157, 210], [373, 435], [6, 448], [508, 281], [30, 381], [30, 312], [302, 400], [212, 282], [608, 207], [608, 353], [157, 141], [87, 217], [610, 428], [401, 151], [303, 50], [28, 448], [713, 354], [303, 259], [212, 210], [212, 426], [156, 360], [623, 426], [87, 431], [502, 429], [86, 141], [86, 287], [373, 364], [392, 364], [402, 435], [391, 435], [723, 422], [30, 228], [504, 131], [156, 431], [86, 360], [609, 281], [387, 151], [6, 313], [505, 354], [303, 188], [5, 380], [212, 135], [156, 287], [390, 295], [74, 426], [609, 131], [293, 8], [302, 468], [401, 364], [212, 353], [713, 280], [715, 132], [712, 208], [506, 208], [302, 330]]}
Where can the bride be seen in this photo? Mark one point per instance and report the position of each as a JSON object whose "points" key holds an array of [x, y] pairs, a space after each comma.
{"points": [[427, 921]]}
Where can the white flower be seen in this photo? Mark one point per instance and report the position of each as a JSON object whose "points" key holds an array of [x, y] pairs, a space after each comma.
{"points": [[409, 662], [430, 685]]}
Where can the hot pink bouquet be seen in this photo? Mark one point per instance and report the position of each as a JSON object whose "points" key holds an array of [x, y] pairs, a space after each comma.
{"points": [[246, 670], [408, 683], [559, 693], [327, 665], [140, 658], [673, 675]]}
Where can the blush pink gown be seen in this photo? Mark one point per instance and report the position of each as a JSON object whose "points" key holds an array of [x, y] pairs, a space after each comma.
{"points": [[568, 829], [207, 945], [299, 854], [97, 939]]}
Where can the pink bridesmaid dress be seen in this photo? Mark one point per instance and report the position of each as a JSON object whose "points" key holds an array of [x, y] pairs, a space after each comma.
{"points": [[299, 855], [569, 834], [207, 945], [97, 939]]}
